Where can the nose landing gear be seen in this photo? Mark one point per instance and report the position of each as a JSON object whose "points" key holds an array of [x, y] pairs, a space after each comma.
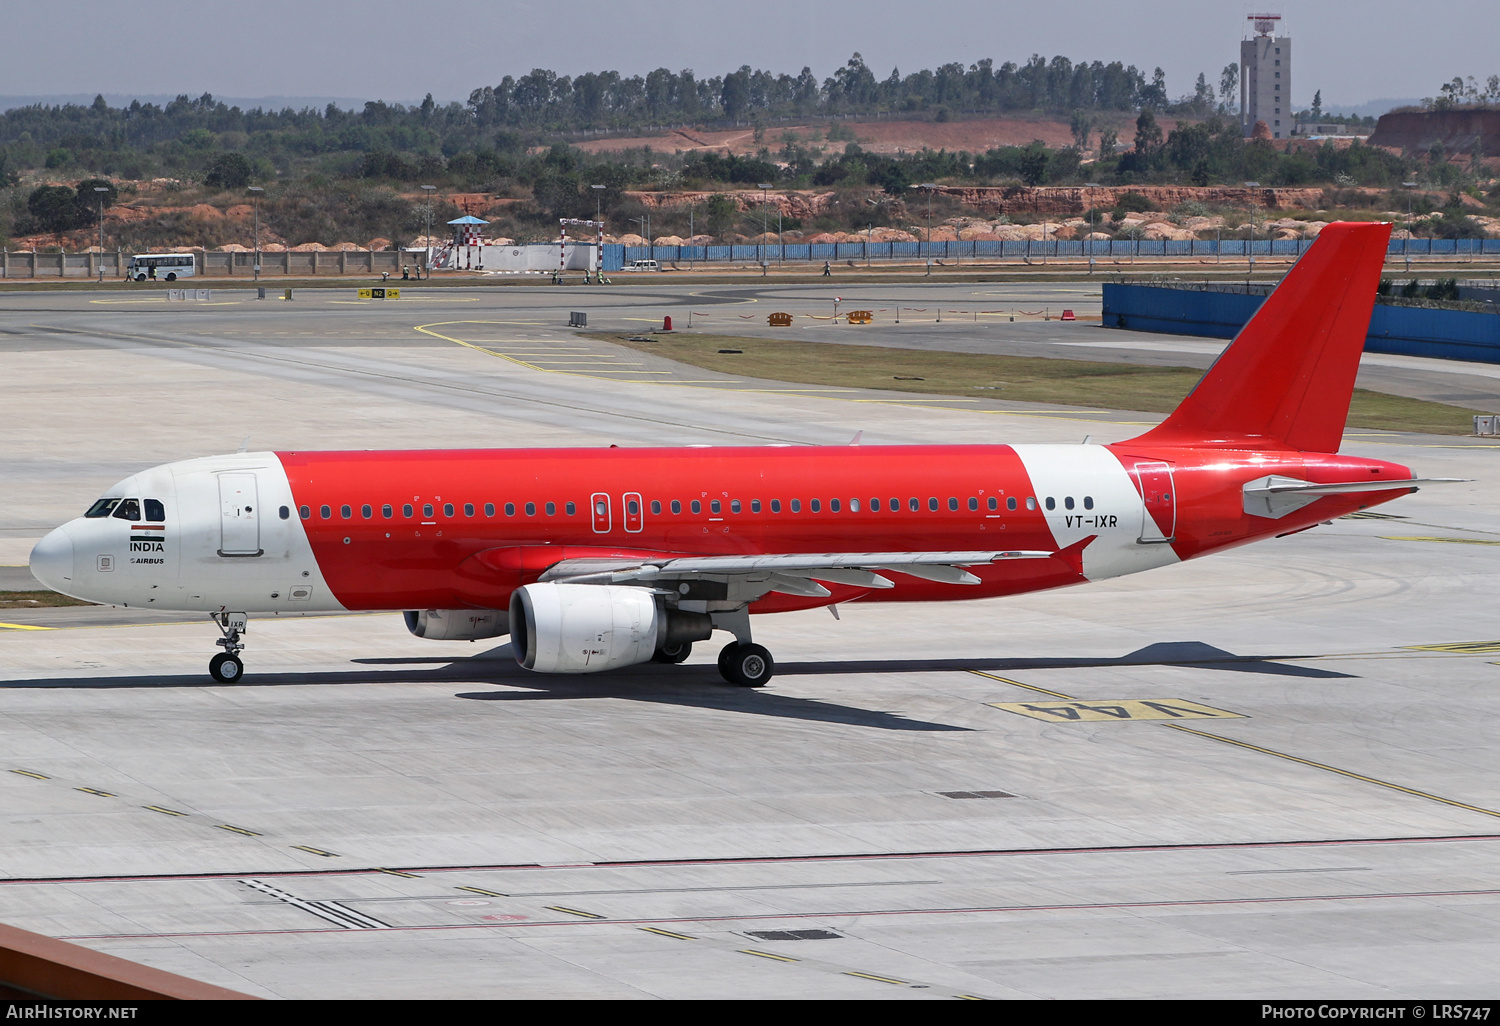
{"points": [[227, 667]]}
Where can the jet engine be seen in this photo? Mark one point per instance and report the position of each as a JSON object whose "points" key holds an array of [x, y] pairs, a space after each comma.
{"points": [[586, 628], [457, 624]]}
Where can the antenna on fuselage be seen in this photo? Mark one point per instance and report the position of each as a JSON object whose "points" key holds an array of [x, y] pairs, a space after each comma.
{"points": [[857, 436], [245, 445]]}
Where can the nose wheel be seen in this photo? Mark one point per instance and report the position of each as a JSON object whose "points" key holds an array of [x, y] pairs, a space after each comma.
{"points": [[227, 667]]}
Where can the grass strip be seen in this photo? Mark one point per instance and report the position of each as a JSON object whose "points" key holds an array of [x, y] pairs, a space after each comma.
{"points": [[1081, 383], [37, 600]]}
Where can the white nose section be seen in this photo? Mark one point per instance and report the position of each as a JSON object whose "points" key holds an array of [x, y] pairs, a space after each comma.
{"points": [[52, 561]]}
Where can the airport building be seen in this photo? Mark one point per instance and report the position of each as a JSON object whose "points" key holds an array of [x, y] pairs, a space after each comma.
{"points": [[1266, 78]]}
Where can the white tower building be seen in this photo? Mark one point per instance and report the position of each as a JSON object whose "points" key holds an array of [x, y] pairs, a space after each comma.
{"points": [[1266, 78]]}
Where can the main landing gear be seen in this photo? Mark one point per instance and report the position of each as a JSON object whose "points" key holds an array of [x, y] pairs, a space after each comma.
{"points": [[747, 664], [227, 667]]}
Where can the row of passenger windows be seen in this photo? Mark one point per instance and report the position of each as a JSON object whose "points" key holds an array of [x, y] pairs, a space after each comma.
{"points": [[913, 504]]}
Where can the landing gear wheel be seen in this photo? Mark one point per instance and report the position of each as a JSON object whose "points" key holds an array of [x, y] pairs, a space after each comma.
{"points": [[673, 653], [749, 666], [226, 668]]}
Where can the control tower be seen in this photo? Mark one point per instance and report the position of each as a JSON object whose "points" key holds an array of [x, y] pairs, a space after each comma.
{"points": [[1266, 78]]}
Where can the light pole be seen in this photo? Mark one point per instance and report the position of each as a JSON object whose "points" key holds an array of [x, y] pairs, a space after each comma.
{"points": [[1406, 242], [99, 191], [257, 190], [1091, 186], [765, 221], [427, 261], [598, 228], [929, 187], [1252, 185]]}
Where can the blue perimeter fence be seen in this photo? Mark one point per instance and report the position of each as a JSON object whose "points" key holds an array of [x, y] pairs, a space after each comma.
{"points": [[616, 256], [1218, 312]]}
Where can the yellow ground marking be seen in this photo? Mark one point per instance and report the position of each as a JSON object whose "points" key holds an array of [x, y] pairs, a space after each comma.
{"points": [[315, 851], [404, 302], [28, 773], [24, 627], [572, 911], [1462, 647], [163, 301], [877, 979], [1334, 769], [666, 933], [397, 872], [1028, 687], [1106, 710], [164, 812], [767, 954], [1418, 538], [237, 830], [95, 790], [481, 890]]}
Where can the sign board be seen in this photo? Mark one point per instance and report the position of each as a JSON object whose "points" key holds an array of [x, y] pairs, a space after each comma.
{"points": [[780, 320], [860, 316], [379, 293]]}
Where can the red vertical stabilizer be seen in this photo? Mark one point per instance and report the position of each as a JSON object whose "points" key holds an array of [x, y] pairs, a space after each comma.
{"points": [[1286, 379]]}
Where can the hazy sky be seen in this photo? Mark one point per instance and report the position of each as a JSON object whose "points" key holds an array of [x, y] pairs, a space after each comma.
{"points": [[1352, 51]]}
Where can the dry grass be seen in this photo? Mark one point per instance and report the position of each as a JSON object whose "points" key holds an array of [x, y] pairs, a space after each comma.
{"points": [[1081, 383], [37, 600]]}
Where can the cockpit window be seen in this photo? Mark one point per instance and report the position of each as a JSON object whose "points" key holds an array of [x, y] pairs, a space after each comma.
{"points": [[155, 511], [129, 509], [102, 508]]}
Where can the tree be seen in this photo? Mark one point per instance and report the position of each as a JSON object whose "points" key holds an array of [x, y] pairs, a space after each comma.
{"points": [[1082, 123], [1147, 134], [1108, 140], [1229, 81], [1033, 164], [229, 171], [87, 200], [722, 214], [54, 208], [1317, 105]]}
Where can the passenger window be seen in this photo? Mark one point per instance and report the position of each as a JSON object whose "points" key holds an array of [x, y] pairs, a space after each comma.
{"points": [[815, 506], [367, 511], [101, 508], [932, 503], [326, 512], [570, 509], [1051, 503], [345, 512], [489, 509], [853, 505], [551, 509], [713, 506], [1068, 502], [468, 509], [632, 507], [796, 505], [406, 510], [875, 505], [973, 502], [156, 512], [305, 512], [286, 514], [655, 506], [995, 503], [914, 504], [775, 505], [129, 509], [697, 506], [676, 506], [386, 511], [1010, 502], [833, 505], [510, 509], [1088, 502], [1031, 502], [447, 509], [427, 510], [531, 509], [953, 503], [734, 505], [754, 505]]}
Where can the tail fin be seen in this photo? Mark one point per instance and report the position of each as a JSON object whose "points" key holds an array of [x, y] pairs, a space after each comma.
{"points": [[1286, 379]]}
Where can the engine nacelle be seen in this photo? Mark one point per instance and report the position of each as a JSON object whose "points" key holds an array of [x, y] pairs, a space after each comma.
{"points": [[457, 624], [585, 628]]}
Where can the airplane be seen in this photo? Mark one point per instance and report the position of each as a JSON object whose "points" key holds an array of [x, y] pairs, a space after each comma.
{"points": [[592, 559]]}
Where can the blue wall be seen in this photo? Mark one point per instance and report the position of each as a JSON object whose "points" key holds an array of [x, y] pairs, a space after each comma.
{"points": [[1416, 331]]}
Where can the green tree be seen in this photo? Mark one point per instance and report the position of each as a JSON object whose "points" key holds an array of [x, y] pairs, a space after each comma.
{"points": [[87, 200], [229, 171], [722, 214], [1033, 164], [54, 208], [1229, 81]]}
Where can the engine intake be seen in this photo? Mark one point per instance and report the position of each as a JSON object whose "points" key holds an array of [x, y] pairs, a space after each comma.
{"points": [[586, 628], [457, 624]]}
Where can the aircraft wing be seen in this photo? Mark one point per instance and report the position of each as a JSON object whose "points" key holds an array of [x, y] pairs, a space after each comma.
{"points": [[793, 573]]}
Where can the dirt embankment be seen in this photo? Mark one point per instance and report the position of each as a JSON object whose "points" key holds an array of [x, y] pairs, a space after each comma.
{"points": [[1016, 201], [1458, 130]]}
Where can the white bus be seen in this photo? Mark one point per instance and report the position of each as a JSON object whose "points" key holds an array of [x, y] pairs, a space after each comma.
{"points": [[161, 266]]}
